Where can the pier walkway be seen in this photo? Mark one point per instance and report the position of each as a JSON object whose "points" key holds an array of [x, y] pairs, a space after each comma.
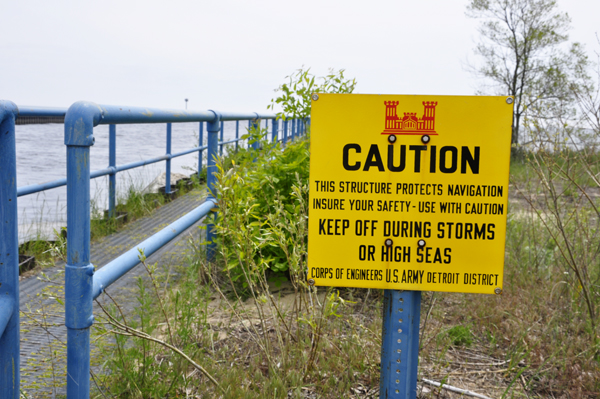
{"points": [[43, 331]]}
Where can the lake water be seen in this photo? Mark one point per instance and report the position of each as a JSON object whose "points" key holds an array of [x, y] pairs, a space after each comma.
{"points": [[41, 157]]}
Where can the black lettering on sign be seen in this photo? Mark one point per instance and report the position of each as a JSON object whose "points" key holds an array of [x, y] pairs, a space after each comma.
{"points": [[447, 161], [346, 161], [450, 207], [393, 206], [481, 279], [453, 157], [395, 254], [402, 164], [365, 227], [329, 204], [391, 276], [442, 278], [466, 231], [426, 206], [419, 189], [361, 205], [434, 255], [321, 272], [374, 159], [364, 274], [333, 227], [472, 190], [417, 150], [484, 209], [410, 229], [412, 276], [325, 186], [468, 158], [366, 253]]}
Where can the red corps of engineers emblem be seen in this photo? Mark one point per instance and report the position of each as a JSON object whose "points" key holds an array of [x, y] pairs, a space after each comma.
{"points": [[409, 123]]}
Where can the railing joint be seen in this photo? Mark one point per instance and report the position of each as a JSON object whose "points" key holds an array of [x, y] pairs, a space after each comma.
{"points": [[80, 120]]}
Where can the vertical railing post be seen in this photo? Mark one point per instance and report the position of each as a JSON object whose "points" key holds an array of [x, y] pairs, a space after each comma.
{"points": [[285, 131], [168, 171], [294, 128], [275, 132], [9, 256], [112, 163], [256, 127], [221, 138], [200, 143], [249, 127], [79, 128], [212, 129], [400, 344], [237, 135]]}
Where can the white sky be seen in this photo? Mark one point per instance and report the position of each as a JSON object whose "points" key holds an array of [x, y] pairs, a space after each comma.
{"points": [[230, 55]]}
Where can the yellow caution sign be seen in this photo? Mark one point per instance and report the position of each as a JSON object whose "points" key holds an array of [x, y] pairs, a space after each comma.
{"points": [[409, 192]]}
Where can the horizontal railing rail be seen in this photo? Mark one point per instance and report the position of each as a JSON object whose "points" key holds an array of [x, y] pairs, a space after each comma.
{"points": [[118, 267], [111, 112], [82, 283]]}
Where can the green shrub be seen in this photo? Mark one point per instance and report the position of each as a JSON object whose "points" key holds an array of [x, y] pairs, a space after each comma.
{"points": [[262, 189], [294, 96]]}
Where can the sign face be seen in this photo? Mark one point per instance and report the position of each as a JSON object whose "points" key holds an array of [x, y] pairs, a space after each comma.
{"points": [[409, 192]]}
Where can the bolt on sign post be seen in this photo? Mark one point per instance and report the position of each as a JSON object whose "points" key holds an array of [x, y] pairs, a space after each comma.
{"points": [[408, 194]]}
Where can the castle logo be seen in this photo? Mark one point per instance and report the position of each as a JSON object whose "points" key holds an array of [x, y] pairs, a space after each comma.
{"points": [[409, 123]]}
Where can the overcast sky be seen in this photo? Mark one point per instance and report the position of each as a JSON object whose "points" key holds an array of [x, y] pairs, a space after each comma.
{"points": [[231, 54]]}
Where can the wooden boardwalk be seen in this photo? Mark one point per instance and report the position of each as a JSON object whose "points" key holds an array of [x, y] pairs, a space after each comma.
{"points": [[43, 333]]}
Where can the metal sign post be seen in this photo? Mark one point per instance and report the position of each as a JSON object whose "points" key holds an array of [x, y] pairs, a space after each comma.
{"points": [[400, 344]]}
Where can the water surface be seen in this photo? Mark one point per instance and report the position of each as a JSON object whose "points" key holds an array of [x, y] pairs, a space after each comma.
{"points": [[41, 157]]}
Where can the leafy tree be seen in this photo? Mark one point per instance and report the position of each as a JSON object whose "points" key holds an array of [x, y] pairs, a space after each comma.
{"points": [[295, 95], [525, 54]]}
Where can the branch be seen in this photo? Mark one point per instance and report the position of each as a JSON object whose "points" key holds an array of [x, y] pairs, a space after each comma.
{"points": [[128, 331], [454, 389]]}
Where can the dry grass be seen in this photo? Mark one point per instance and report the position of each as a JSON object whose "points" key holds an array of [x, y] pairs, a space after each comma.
{"points": [[523, 345]]}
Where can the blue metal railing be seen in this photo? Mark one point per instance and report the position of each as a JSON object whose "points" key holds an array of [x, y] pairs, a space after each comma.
{"points": [[82, 283], [113, 169], [9, 255]]}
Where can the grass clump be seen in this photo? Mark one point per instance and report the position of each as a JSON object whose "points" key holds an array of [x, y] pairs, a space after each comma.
{"points": [[460, 335]]}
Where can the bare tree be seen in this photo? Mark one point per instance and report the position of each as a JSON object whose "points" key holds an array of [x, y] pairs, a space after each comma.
{"points": [[588, 96], [526, 54]]}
